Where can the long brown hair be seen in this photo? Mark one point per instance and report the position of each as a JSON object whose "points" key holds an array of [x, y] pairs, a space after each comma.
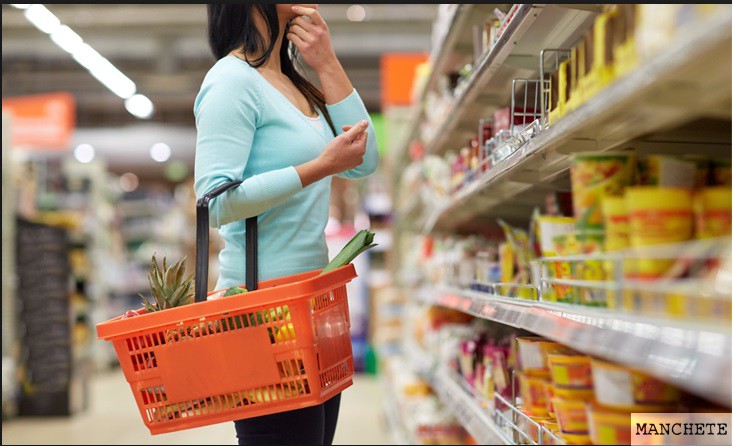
{"points": [[231, 26]]}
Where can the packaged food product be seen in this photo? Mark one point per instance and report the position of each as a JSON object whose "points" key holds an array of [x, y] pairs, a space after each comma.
{"points": [[712, 207], [667, 171], [551, 425], [570, 370], [532, 390], [564, 245], [658, 215], [549, 227], [591, 242], [576, 394], [615, 223], [597, 175], [530, 428], [629, 389], [533, 351], [571, 415], [507, 262], [608, 426]]}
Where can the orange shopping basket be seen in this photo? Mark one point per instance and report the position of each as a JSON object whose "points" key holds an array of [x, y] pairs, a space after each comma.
{"points": [[284, 345]]}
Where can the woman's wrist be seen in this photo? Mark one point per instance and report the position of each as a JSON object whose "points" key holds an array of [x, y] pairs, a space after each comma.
{"points": [[313, 171]]}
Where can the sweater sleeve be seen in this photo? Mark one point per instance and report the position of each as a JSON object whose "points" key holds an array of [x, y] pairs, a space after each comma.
{"points": [[227, 112], [349, 111]]}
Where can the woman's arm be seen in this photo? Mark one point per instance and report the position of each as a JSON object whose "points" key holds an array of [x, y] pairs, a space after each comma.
{"points": [[344, 105]]}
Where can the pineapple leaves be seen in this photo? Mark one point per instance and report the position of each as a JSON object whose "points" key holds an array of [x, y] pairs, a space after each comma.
{"points": [[168, 286]]}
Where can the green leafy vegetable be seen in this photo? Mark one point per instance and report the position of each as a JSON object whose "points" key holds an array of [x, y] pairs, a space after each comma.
{"points": [[358, 244]]}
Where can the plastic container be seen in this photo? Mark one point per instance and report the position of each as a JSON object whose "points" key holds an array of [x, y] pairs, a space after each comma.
{"points": [[594, 176], [237, 357], [658, 215], [574, 393], [616, 223], [607, 426], [712, 207], [571, 415], [532, 390], [570, 370], [628, 389], [533, 351]]}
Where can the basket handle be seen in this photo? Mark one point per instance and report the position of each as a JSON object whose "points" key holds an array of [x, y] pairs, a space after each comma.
{"points": [[202, 243]]}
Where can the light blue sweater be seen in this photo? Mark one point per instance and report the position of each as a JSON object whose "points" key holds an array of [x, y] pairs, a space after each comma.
{"points": [[248, 130]]}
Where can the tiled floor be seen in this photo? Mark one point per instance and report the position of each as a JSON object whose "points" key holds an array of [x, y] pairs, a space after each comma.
{"points": [[112, 418]]}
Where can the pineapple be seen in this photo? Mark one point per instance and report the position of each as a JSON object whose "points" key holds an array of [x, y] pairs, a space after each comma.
{"points": [[168, 286]]}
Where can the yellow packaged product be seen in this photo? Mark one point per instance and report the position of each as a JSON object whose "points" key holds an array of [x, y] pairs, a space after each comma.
{"points": [[597, 175], [571, 415], [506, 262], [564, 245], [625, 388], [532, 390], [608, 426], [575, 438], [548, 228], [570, 370], [712, 207], [591, 242], [533, 351], [658, 215]]}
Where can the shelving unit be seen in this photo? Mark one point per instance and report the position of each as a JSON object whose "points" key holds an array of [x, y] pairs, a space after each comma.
{"points": [[675, 102], [615, 118], [474, 415]]}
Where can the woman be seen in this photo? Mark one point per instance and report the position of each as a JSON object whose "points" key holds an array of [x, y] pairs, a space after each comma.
{"points": [[260, 121]]}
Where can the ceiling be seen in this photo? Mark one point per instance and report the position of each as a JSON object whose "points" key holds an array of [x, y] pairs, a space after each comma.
{"points": [[163, 49]]}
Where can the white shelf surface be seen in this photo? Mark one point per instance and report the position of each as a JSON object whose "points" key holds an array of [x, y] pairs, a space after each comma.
{"points": [[682, 83], [693, 356]]}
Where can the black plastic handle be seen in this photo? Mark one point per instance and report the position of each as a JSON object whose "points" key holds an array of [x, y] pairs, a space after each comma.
{"points": [[202, 243]]}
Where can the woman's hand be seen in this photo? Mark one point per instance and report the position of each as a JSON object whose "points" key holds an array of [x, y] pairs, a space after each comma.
{"points": [[344, 152], [312, 38]]}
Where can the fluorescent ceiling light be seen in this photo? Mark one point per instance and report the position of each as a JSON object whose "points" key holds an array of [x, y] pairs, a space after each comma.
{"points": [[113, 79], [42, 18], [21, 5], [84, 153], [67, 39], [139, 105], [98, 66], [160, 152]]}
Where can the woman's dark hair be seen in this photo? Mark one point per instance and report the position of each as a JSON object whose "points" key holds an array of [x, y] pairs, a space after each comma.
{"points": [[232, 26]]}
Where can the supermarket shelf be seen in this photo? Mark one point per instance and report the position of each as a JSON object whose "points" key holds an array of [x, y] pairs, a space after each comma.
{"points": [[677, 86], [474, 415], [691, 356], [515, 55]]}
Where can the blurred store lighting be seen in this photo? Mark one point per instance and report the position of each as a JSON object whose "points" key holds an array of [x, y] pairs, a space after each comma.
{"points": [[42, 18], [160, 152], [84, 153], [66, 39], [356, 13], [99, 67], [139, 105], [129, 182], [20, 5]]}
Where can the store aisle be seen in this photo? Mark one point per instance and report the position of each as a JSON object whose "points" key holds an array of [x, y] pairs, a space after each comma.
{"points": [[113, 419]]}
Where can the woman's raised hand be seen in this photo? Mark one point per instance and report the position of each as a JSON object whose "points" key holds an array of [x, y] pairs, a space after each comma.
{"points": [[311, 37], [346, 151]]}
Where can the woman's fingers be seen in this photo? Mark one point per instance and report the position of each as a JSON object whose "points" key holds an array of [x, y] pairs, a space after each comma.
{"points": [[302, 22], [295, 39], [310, 13], [300, 32]]}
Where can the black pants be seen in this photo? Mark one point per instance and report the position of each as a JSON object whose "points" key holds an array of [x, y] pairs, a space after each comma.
{"points": [[311, 425]]}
